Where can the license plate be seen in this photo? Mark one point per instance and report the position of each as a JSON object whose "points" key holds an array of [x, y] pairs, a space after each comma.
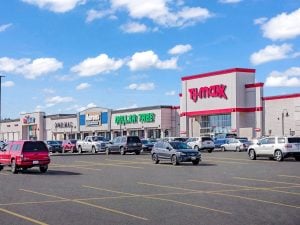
{"points": [[35, 162]]}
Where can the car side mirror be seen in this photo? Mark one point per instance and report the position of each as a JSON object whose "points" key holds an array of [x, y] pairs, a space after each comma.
{"points": [[258, 143], [168, 148], [110, 142]]}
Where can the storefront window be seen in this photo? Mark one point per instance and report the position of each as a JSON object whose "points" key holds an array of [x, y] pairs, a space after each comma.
{"points": [[215, 124]]}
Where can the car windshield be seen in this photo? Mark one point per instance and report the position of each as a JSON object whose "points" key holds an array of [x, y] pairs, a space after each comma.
{"points": [[34, 146], [52, 143], [294, 140], [98, 138], [73, 141], [133, 140], [243, 140], [179, 145], [206, 139], [180, 139], [144, 141]]}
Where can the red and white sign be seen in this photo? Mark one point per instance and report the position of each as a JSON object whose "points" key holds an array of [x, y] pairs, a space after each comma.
{"points": [[214, 91], [257, 129]]}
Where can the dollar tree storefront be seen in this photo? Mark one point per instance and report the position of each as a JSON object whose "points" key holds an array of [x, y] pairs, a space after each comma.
{"points": [[146, 122]]}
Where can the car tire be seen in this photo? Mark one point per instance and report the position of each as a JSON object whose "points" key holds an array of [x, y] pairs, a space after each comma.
{"points": [[252, 154], [155, 159], [43, 169], [174, 160], [210, 150], [238, 149], [196, 162], [197, 148], [138, 152], [122, 151], [79, 149], [297, 158], [94, 150], [278, 156], [223, 149], [14, 168], [1, 167]]}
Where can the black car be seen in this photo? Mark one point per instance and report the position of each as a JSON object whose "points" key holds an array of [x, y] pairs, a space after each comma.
{"points": [[124, 144], [147, 145], [54, 146]]}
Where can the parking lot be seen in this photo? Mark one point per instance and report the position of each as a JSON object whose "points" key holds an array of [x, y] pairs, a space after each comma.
{"points": [[225, 188]]}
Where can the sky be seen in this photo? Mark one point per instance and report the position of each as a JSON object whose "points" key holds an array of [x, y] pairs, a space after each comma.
{"points": [[64, 56]]}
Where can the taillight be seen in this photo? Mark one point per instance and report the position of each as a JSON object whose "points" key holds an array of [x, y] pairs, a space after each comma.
{"points": [[288, 145], [22, 157]]}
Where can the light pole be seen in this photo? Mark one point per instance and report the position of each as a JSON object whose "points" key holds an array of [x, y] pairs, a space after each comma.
{"points": [[283, 115], [0, 105]]}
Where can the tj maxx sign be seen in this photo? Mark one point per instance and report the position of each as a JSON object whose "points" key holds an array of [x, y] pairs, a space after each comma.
{"points": [[214, 91]]}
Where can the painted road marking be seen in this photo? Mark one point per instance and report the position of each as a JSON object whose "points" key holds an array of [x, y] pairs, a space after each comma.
{"points": [[84, 203], [5, 174], [22, 217], [221, 161], [144, 163], [267, 181], [108, 164], [156, 198], [28, 203], [289, 176], [166, 186]]}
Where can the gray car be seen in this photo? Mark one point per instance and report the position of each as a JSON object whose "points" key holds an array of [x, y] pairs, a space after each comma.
{"points": [[174, 151]]}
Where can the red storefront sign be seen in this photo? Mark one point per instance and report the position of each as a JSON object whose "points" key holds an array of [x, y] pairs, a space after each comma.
{"points": [[214, 91]]}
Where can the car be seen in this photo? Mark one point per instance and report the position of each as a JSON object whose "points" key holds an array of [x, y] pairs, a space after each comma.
{"points": [[175, 152], [25, 154], [201, 143], [147, 145], [53, 146], [276, 147], [69, 146], [220, 141], [124, 144], [235, 144], [92, 144], [181, 139]]}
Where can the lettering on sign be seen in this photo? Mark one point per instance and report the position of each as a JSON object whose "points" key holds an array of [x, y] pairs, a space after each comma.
{"points": [[135, 118], [214, 91], [28, 120], [63, 125], [93, 119]]}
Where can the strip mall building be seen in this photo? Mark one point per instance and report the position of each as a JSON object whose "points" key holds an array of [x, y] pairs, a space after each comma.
{"points": [[226, 101]]}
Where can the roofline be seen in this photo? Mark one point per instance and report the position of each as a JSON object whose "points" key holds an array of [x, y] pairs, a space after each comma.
{"points": [[143, 108], [276, 97], [219, 72]]}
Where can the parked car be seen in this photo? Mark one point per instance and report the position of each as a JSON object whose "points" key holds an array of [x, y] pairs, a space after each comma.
{"points": [[24, 155], [124, 144], [220, 141], [69, 146], [234, 144], [175, 152], [147, 145], [53, 146], [181, 139], [92, 144], [276, 147], [201, 143]]}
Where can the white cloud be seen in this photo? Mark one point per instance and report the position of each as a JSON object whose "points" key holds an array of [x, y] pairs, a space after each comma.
{"points": [[52, 101], [148, 59], [134, 27], [288, 78], [170, 93], [90, 105], [48, 91], [261, 20], [82, 86], [8, 83], [30, 69], [229, 1], [129, 107], [142, 86], [38, 108], [4, 27], [283, 26], [180, 49], [58, 6], [97, 65], [271, 53], [94, 14]]}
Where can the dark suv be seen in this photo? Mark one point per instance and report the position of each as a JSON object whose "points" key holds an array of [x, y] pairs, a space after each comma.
{"points": [[24, 155], [124, 144]]}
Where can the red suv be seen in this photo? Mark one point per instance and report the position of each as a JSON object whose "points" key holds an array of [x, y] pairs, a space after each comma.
{"points": [[69, 146], [24, 155]]}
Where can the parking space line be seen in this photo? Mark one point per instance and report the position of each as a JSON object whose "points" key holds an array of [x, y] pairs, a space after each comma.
{"points": [[267, 181], [109, 164], [77, 167], [144, 163], [166, 186], [85, 203], [28, 203], [5, 174], [289, 176], [156, 198], [221, 161], [22, 217]]}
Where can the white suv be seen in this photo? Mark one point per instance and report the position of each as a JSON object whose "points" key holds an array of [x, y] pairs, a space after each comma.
{"points": [[201, 143], [276, 147]]}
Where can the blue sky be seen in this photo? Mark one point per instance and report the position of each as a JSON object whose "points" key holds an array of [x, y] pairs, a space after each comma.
{"points": [[62, 56]]}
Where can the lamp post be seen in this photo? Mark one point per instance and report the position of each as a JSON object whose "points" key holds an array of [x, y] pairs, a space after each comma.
{"points": [[0, 105], [283, 115]]}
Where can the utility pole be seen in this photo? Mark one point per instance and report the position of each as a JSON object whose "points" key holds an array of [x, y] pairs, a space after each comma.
{"points": [[0, 106]]}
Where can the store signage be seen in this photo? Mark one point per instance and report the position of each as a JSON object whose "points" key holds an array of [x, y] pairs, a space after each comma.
{"points": [[214, 91], [135, 118], [93, 119], [28, 120], [64, 125]]}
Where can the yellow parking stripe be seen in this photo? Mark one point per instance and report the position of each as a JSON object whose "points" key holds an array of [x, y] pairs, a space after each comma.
{"points": [[267, 181], [288, 176], [84, 203], [22, 217]]}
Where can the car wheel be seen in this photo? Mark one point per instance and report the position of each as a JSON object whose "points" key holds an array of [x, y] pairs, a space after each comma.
{"points": [[122, 152], [238, 149], [297, 158], [138, 152], [1, 167], [197, 148], [79, 150], [278, 156], [174, 160], [223, 149], [43, 169], [93, 149], [155, 159], [196, 162], [107, 152], [210, 150], [252, 154], [14, 168]]}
